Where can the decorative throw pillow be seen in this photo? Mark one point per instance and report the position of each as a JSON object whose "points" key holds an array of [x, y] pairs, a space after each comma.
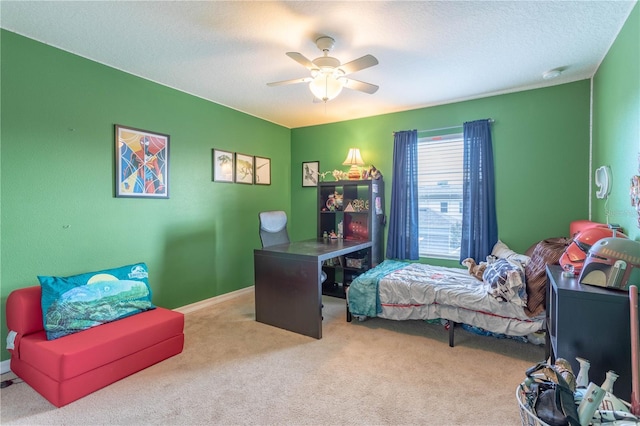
{"points": [[506, 282], [546, 252], [75, 303]]}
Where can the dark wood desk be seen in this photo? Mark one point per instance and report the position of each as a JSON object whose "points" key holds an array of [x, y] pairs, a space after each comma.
{"points": [[288, 292]]}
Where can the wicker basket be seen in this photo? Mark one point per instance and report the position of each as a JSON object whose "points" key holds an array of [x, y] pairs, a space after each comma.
{"points": [[526, 414]]}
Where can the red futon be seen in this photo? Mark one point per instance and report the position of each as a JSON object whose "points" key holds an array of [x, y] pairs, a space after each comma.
{"points": [[66, 369]]}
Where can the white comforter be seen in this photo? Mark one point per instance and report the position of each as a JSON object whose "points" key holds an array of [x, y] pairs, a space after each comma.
{"points": [[420, 291]]}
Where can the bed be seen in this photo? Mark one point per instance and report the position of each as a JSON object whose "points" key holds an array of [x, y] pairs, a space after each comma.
{"points": [[399, 290]]}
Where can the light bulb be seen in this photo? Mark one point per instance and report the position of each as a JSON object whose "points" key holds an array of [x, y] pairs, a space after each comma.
{"points": [[325, 86]]}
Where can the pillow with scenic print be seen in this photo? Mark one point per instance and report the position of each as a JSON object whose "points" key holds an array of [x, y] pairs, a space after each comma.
{"points": [[76, 303]]}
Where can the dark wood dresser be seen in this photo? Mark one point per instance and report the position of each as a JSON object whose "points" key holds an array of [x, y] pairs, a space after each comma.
{"points": [[591, 323]]}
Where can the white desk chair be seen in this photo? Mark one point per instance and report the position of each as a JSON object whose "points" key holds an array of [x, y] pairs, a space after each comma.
{"points": [[273, 231], [273, 228]]}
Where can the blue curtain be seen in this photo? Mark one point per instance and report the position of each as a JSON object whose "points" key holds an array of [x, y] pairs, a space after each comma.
{"points": [[479, 222], [402, 240]]}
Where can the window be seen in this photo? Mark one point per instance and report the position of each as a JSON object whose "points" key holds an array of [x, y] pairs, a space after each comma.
{"points": [[439, 193]]}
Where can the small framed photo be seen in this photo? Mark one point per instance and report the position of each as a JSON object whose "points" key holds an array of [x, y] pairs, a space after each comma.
{"points": [[310, 173], [244, 169], [222, 165], [142, 163], [262, 170]]}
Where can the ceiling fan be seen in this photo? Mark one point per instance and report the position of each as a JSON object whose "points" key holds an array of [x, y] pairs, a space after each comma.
{"points": [[328, 76]]}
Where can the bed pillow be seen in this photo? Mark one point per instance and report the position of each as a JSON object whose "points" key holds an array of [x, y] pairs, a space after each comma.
{"points": [[76, 303], [505, 281], [502, 251]]}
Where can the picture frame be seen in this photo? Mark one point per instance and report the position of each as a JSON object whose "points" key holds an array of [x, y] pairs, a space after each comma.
{"points": [[223, 165], [262, 170], [310, 173], [244, 169], [141, 163]]}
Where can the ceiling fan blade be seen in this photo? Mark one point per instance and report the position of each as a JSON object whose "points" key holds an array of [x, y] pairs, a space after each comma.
{"points": [[293, 81], [359, 64], [301, 59], [360, 85]]}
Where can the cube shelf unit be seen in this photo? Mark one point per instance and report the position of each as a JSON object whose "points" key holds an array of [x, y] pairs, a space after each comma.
{"points": [[361, 213]]}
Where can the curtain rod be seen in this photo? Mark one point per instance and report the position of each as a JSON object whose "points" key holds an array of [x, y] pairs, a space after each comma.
{"points": [[440, 128], [491, 120]]}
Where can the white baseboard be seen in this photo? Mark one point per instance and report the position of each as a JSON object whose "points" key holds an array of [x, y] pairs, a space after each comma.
{"points": [[4, 365], [214, 300]]}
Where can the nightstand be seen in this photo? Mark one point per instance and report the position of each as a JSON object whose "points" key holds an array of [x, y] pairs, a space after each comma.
{"points": [[591, 323]]}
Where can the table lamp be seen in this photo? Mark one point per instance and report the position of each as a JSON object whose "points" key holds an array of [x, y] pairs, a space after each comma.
{"points": [[355, 161]]}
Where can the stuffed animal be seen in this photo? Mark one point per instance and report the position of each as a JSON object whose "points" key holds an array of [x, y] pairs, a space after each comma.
{"points": [[374, 173], [475, 270]]}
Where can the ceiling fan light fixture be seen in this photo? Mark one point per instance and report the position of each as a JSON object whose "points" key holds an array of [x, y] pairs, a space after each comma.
{"points": [[328, 76], [325, 86]]}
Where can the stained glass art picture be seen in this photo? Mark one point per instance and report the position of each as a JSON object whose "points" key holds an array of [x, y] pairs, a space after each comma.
{"points": [[142, 163]]}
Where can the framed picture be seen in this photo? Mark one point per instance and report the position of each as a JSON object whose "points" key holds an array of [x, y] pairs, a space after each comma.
{"points": [[222, 165], [262, 170], [244, 169], [142, 163], [310, 173]]}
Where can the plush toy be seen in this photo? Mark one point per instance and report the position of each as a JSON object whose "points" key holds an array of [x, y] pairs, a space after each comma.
{"points": [[374, 173], [475, 270]]}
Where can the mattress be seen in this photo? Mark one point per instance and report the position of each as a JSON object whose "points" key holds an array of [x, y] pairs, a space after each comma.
{"points": [[415, 291]]}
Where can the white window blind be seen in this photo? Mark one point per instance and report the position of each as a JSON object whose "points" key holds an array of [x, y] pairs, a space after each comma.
{"points": [[440, 195]]}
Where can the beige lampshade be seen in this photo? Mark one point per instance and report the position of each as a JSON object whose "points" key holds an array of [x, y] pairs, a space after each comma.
{"points": [[354, 159]]}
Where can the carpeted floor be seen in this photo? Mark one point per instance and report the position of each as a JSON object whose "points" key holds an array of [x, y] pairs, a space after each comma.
{"points": [[236, 371]]}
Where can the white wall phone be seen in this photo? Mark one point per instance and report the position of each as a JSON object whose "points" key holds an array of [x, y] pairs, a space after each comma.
{"points": [[603, 181]]}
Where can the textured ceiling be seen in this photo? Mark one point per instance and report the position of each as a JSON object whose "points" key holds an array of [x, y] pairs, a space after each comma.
{"points": [[429, 52]]}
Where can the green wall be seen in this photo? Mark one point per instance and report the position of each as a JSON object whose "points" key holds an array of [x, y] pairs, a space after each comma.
{"points": [[616, 125], [59, 215], [540, 141]]}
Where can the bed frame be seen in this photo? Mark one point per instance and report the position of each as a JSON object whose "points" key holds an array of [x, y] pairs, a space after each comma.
{"points": [[450, 324]]}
